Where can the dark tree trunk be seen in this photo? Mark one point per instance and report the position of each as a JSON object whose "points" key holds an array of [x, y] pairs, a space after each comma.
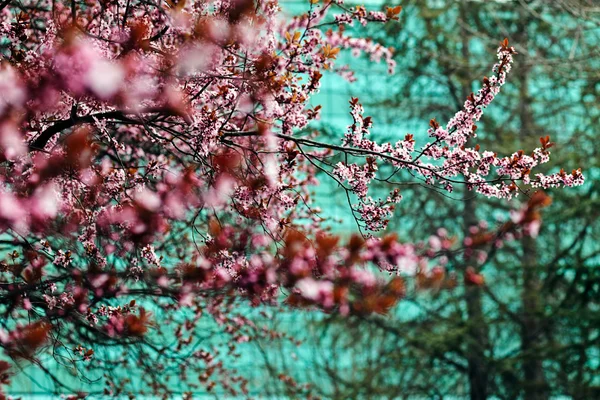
{"points": [[478, 340], [535, 386]]}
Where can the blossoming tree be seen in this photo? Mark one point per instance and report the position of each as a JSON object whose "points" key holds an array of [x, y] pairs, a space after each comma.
{"points": [[155, 154]]}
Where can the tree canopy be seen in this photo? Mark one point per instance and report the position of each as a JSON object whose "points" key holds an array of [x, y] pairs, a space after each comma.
{"points": [[158, 159]]}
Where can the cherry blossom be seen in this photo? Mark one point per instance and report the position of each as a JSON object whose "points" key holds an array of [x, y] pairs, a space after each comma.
{"points": [[156, 153]]}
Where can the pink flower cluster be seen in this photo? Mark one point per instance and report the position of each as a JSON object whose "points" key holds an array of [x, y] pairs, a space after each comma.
{"points": [[451, 160]]}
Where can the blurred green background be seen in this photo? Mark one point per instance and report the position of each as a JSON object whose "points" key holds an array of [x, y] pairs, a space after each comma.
{"points": [[533, 331]]}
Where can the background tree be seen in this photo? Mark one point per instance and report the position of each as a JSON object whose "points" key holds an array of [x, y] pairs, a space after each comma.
{"points": [[527, 332]]}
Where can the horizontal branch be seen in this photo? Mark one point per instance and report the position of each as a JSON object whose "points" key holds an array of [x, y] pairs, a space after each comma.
{"points": [[42, 140]]}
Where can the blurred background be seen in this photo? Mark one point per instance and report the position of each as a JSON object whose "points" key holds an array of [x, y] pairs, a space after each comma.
{"points": [[533, 331]]}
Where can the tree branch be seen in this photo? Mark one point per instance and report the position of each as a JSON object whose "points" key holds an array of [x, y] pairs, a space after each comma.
{"points": [[40, 142]]}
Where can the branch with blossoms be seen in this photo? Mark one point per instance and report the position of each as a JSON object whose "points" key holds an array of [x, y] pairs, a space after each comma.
{"points": [[153, 171], [445, 160]]}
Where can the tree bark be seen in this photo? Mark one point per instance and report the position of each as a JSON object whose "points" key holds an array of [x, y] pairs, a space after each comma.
{"points": [[478, 340], [535, 386]]}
